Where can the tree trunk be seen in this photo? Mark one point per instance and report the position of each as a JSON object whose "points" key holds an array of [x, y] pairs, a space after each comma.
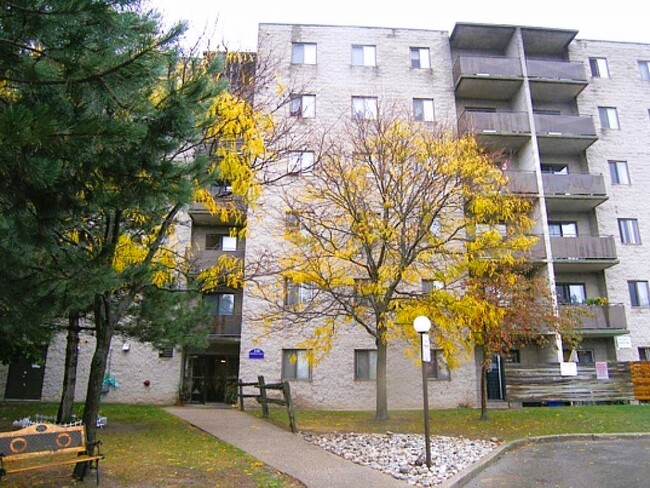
{"points": [[104, 329], [485, 365], [381, 408], [66, 404]]}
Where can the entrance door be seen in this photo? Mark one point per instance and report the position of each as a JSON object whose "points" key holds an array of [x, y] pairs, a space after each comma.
{"points": [[25, 379], [213, 378], [496, 375], [495, 379]]}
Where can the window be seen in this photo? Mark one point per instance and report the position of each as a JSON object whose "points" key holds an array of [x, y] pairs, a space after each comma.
{"points": [[571, 293], [303, 53], [599, 67], [299, 293], [420, 57], [423, 109], [438, 369], [167, 352], [221, 303], [639, 296], [303, 106], [644, 69], [365, 364], [431, 285], [300, 161], [644, 353], [563, 229], [585, 356], [436, 226], [364, 107], [619, 172], [220, 242], [629, 229], [608, 118], [555, 169], [296, 364], [363, 55]]}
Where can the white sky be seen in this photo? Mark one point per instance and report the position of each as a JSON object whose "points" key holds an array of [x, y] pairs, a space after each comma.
{"points": [[236, 22]]}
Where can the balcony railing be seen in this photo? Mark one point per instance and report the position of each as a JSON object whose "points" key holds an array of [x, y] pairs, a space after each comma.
{"points": [[556, 70], [495, 122], [574, 184], [599, 317], [583, 248], [564, 125], [487, 66], [226, 326], [204, 259], [521, 182]]}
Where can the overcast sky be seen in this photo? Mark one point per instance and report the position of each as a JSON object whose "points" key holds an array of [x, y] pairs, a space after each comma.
{"points": [[236, 22]]}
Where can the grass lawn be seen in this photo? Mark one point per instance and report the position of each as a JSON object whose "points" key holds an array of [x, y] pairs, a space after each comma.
{"points": [[147, 447], [503, 424]]}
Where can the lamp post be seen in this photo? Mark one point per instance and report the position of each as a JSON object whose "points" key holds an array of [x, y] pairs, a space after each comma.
{"points": [[422, 326]]}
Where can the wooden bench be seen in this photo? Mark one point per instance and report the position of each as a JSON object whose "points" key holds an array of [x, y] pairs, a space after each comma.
{"points": [[54, 442]]}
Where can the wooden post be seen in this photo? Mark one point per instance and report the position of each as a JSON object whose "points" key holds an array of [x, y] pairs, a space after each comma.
{"points": [[263, 400], [240, 386], [286, 392]]}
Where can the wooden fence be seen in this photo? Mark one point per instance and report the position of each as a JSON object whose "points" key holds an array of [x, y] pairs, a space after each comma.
{"points": [[263, 398], [544, 383], [641, 379]]}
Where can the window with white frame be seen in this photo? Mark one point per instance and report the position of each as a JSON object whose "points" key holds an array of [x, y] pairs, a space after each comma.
{"points": [[221, 303], [639, 294], [300, 161], [296, 364], [571, 293], [619, 173], [423, 109], [299, 293], [585, 356], [644, 69], [644, 353], [365, 364], [608, 118], [420, 57], [555, 169], [432, 285], [629, 230], [363, 55], [303, 106], [563, 229], [303, 53], [364, 107], [599, 68], [438, 369], [220, 242]]}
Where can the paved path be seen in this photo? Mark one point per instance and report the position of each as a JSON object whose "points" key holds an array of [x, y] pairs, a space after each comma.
{"points": [[285, 451], [583, 463]]}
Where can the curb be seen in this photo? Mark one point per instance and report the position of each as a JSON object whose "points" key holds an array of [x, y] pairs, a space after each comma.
{"points": [[462, 478]]}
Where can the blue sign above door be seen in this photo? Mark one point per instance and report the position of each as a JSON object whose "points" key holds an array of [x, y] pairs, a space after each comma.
{"points": [[255, 354]]}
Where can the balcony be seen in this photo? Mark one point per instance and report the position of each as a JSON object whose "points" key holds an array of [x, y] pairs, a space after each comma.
{"points": [[204, 259], [564, 134], [487, 78], [583, 253], [522, 182], [555, 81], [225, 326], [223, 194], [579, 192], [497, 129], [603, 320]]}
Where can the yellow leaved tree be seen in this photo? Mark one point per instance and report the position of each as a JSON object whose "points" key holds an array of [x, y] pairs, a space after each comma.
{"points": [[384, 229]]}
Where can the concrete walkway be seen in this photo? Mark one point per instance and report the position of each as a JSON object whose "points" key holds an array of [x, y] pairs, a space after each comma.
{"points": [[284, 451]]}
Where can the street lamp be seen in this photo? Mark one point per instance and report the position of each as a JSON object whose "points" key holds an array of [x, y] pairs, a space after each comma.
{"points": [[422, 326]]}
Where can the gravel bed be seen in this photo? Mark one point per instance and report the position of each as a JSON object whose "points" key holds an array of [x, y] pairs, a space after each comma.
{"points": [[402, 455]]}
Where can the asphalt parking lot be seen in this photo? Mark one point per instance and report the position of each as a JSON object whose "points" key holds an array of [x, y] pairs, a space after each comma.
{"points": [[600, 463]]}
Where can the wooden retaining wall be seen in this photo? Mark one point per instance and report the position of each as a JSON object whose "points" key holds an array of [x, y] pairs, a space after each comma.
{"points": [[543, 383]]}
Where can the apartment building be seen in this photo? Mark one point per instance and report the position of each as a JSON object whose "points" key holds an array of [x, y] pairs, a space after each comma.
{"points": [[573, 119]]}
